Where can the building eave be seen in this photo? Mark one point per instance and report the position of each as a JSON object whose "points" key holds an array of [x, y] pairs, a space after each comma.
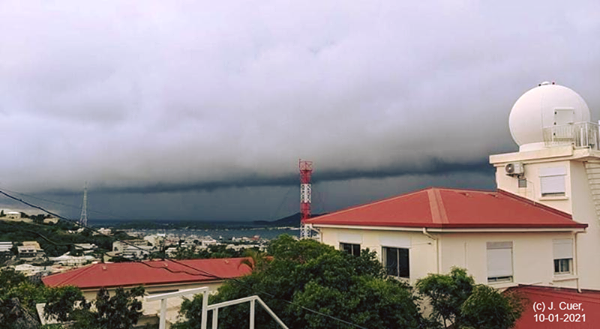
{"points": [[454, 229]]}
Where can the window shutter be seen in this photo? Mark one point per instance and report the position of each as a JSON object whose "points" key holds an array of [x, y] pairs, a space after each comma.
{"points": [[563, 248], [350, 238], [552, 180], [552, 184], [394, 241], [499, 259]]}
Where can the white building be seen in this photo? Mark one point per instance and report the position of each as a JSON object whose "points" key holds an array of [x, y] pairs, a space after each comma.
{"points": [[155, 239], [15, 216], [540, 227], [30, 250], [68, 260], [120, 246], [5, 247], [51, 220]]}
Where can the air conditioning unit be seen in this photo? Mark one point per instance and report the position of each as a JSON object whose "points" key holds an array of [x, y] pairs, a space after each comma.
{"points": [[514, 169]]}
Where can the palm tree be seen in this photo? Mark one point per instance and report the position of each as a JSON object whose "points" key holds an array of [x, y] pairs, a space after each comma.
{"points": [[256, 260]]}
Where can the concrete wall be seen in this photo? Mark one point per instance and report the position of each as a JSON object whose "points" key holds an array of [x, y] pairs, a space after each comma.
{"points": [[532, 192], [578, 200], [533, 256], [422, 249], [588, 243], [90, 294]]}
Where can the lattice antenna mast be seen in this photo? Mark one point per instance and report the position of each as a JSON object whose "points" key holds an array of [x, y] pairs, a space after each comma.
{"points": [[306, 170], [83, 219]]}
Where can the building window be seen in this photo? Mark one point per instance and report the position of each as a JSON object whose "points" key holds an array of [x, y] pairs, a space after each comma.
{"points": [[499, 261], [552, 181], [563, 256], [396, 262], [522, 183], [351, 248]]}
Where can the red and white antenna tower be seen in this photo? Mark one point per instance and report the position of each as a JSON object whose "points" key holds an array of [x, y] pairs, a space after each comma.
{"points": [[306, 170]]}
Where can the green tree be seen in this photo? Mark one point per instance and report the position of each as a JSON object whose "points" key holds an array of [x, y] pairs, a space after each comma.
{"points": [[487, 308], [63, 302], [18, 297], [121, 311], [316, 276], [457, 302], [256, 260]]}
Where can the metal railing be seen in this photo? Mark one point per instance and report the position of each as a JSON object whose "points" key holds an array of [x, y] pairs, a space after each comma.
{"points": [[252, 300], [580, 135], [163, 304], [214, 307]]}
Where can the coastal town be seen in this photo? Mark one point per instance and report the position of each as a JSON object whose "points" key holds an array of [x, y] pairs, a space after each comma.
{"points": [[30, 258]]}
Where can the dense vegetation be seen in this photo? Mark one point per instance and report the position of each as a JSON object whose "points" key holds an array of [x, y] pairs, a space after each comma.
{"points": [[311, 285], [458, 302], [316, 276]]}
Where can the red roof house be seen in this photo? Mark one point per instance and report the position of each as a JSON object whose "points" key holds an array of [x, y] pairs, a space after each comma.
{"points": [[154, 275], [501, 238], [451, 208]]}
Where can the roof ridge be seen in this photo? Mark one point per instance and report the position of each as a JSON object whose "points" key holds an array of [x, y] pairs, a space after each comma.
{"points": [[80, 273], [434, 207], [441, 208]]}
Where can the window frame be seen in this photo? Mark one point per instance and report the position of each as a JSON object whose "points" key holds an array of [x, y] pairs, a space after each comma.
{"points": [[563, 258], [560, 263], [402, 272], [354, 249]]}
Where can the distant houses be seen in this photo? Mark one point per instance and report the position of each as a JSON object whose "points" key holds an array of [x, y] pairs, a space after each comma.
{"points": [[30, 250]]}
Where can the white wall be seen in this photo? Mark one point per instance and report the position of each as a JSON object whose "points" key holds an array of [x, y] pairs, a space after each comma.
{"points": [[533, 258], [532, 192], [578, 200], [422, 250], [588, 244]]}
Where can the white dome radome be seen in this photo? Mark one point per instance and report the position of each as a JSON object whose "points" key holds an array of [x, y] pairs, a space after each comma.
{"points": [[544, 106]]}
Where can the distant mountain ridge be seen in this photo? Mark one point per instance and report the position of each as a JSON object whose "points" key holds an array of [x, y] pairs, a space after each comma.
{"points": [[292, 220]]}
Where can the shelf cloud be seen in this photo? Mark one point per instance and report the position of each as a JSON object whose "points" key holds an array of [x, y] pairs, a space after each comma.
{"points": [[210, 99]]}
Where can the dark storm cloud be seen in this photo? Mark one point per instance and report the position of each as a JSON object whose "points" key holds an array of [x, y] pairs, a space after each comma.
{"points": [[200, 96], [431, 167]]}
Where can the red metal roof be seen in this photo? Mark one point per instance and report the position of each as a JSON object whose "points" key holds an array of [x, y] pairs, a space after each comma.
{"points": [[452, 208], [587, 314], [149, 273]]}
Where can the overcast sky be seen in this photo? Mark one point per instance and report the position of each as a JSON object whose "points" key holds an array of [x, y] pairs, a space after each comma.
{"points": [[201, 109]]}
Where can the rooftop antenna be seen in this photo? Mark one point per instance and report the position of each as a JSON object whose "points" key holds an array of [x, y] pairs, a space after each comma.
{"points": [[83, 219], [306, 170]]}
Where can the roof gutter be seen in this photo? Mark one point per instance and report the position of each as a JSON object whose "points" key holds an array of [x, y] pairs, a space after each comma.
{"points": [[453, 230], [437, 249], [576, 259]]}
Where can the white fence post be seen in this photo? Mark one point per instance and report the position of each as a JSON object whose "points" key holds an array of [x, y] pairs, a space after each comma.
{"points": [[252, 303], [204, 310], [215, 324], [162, 324]]}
